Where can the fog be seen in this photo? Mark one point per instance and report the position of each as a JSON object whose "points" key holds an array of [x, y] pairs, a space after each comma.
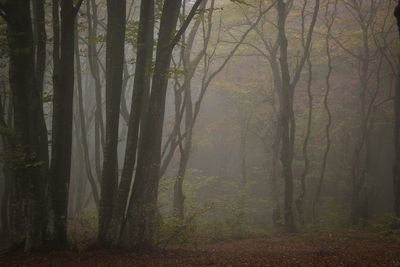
{"points": [[268, 117]]}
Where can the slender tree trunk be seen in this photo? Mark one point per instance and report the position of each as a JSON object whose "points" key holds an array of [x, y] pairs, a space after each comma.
{"points": [[396, 166], [124, 107], [301, 197], [276, 211], [179, 197], [328, 22], [359, 174], [275, 146], [91, 9], [244, 127], [287, 119], [284, 111], [185, 145], [116, 12], [82, 120]]}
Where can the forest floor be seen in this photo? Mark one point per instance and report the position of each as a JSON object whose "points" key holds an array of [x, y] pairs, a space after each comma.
{"points": [[306, 249]]}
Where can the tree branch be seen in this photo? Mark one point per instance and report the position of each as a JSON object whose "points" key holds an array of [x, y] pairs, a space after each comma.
{"points": [[77, 7], [306, 46], [186, 23]]}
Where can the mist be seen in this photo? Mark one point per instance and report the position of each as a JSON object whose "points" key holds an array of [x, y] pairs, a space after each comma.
{"points": [[234, 132]]}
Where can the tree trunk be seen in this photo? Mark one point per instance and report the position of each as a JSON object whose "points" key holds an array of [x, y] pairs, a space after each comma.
{"points": [[82, 128], [91, 9], [141, 87], [62, 127], [285, 120], [276, 211], [396, 166], [116, 12], [8, 145], [244, 128], [185, 144], [286, 114], [40, 41], [141, 220], [328, 23], [179, 197], [301, 198], [30, 127], [275, 146]]}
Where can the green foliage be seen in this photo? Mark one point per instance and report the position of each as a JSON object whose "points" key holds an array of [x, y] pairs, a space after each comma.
{"points": [[17, 156], [7, 131], [100, 38], [176, 231], [215, 209], [386, 227], [177, 72], [82, 229], [330, 219], [47, 98], [241, 2], [131, 35]]}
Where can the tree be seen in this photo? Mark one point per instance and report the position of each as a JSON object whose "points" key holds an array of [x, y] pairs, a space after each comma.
{"points": [[82, 123], [141, 218], [190, 110], [40, 37], [63, 83], [116, 10], [92, 18], [364, 14], [396, 166], [141, 88], [30, 128], [328, 21], [271, 52], [185, 144], [286, 115]]}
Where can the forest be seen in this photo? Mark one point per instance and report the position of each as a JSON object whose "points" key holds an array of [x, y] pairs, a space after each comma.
{"points": [[199, 133]]}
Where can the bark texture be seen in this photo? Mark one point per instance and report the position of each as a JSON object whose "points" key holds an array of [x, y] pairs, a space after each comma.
{"points": [[116, 13], [141, 220], [62, 122], [30, 129], [141, 88]]}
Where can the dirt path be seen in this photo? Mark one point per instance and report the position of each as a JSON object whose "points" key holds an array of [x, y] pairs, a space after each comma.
{"points": [[288, 250]]}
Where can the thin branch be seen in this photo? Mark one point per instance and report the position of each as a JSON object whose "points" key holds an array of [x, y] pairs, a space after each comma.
{"points": [[307, 45]]}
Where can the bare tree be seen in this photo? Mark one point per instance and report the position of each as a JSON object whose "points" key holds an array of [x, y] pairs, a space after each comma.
{"points": [[83, 125], [328, 21], [286, 105]]}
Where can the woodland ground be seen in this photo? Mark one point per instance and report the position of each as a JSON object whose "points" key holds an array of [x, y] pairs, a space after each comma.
{"points": [[305, 249]]}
